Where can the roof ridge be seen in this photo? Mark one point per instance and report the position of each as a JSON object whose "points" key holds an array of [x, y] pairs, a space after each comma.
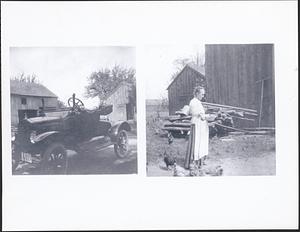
{"points": [[187, 65], [30, 89], [116, 88]]}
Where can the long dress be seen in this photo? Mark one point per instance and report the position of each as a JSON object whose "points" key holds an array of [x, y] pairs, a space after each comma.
{"points": [[199, 134]]}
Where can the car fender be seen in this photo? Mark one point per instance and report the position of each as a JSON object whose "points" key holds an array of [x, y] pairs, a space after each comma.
{"points": [[116, 127], [46, 135]]}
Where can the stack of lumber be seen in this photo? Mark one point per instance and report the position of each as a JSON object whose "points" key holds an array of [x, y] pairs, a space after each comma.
{"points": [[233, 111], [223, 114]]}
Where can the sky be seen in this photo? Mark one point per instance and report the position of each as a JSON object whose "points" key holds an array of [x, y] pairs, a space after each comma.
{"points": [[64, 70], [161, 60]]}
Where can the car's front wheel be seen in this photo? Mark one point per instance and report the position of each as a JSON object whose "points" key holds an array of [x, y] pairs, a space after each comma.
{"points": [[121, 146], [54, 159]]}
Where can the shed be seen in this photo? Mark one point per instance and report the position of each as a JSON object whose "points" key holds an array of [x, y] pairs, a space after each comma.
{"points": [[27, 98], [123, 108], [180, 90], [242, 75]]}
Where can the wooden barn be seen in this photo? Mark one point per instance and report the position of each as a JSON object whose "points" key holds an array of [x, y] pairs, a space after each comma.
{"points": [[242, 75], [26, 99], [123, 109], [180, 91]]}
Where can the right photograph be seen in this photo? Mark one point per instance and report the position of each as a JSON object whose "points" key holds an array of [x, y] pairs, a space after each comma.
{"points": [[210, 110]]}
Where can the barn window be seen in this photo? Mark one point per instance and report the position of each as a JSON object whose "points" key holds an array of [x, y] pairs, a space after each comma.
{"points": [[23, 101], [43, 102]]}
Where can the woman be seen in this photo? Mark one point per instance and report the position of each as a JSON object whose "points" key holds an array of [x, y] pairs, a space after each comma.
{"points": [[199, 136]]}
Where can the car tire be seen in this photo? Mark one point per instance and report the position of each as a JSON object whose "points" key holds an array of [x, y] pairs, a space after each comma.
{"points": [[54, 159], [121, 146]]}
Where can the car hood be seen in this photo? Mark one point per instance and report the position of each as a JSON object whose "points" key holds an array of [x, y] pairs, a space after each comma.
{"points": [[38, 120]]}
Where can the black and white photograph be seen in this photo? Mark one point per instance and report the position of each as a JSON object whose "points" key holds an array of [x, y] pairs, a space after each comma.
{"points": [[73, 110], [216, 115], [149, 115]]}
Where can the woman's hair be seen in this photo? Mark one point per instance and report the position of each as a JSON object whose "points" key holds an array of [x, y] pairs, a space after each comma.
{"points": [[198, 89]]}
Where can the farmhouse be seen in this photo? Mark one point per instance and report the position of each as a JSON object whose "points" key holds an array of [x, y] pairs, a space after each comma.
{"points": [[180, 91], [242, 75], [123, 107], [27, 98]]}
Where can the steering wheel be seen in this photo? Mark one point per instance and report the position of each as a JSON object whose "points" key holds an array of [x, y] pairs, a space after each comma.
{"points": [[76, 104]]}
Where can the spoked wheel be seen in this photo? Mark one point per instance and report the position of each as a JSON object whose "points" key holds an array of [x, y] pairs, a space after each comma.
{"points": [[54, 159], [75, 103], [121, 147]]}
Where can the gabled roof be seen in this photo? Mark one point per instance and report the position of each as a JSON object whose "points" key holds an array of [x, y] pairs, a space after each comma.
{"points": [[29, 89], [122, 83], [197, 68], [193, 66]]}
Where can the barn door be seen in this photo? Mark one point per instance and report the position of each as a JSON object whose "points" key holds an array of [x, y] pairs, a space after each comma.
{"points": [[129, 111]]}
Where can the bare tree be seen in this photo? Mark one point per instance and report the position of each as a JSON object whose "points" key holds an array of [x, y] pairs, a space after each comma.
{"points": [[26, 78], [197, 59]]}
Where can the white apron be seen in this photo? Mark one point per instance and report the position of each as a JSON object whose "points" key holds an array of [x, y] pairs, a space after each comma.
{"points": [[201, 129]]}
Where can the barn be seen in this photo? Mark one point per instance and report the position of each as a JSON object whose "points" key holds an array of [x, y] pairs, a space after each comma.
{"points": [[123, 108], [242, 75], [27, 98], [180, 90]]}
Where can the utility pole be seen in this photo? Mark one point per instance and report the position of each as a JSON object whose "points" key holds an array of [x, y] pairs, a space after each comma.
{"points": [[262, 81]]}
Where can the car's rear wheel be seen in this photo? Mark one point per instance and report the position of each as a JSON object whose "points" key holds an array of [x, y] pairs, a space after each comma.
{"points": [[54, 160], [121, 146]]}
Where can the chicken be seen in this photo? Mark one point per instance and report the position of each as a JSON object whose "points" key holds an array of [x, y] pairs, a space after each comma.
{"points": [[169, 160], [180, 171], [213, 131], [196, 171], [215, 171]]}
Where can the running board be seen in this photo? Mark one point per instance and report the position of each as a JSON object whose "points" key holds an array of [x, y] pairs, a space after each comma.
{"points": [[97, 143]]}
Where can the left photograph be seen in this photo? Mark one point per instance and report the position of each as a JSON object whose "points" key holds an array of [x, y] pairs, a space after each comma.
{"points": [[73, 110]]}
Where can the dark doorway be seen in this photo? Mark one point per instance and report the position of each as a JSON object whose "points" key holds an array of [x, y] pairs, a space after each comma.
{"points": [[129, 111], [28, 113]]}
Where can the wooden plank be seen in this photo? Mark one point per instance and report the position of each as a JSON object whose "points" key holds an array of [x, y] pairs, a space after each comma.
{"points": [[228, 106], [260, 128], [262, 132], [176, 128], [232, 128], [252, 114], [248, 119]]}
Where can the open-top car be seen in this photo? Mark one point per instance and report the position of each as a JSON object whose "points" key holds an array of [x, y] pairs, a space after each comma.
{"points": [[47, 138]]}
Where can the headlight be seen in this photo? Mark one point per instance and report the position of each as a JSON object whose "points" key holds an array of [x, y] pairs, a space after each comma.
{"points": [[32, 136], [13, 138]]}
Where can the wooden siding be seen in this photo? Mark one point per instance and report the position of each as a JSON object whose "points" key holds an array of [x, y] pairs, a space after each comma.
{"points": [[32, 103], [234, 73], [119, 99], [180, 92]]}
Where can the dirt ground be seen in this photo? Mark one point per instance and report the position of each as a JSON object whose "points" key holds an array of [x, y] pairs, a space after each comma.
{"points": [[238, 155]]}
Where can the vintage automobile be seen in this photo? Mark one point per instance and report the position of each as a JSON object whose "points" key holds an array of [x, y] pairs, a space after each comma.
{"points": [[48, 138]]}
